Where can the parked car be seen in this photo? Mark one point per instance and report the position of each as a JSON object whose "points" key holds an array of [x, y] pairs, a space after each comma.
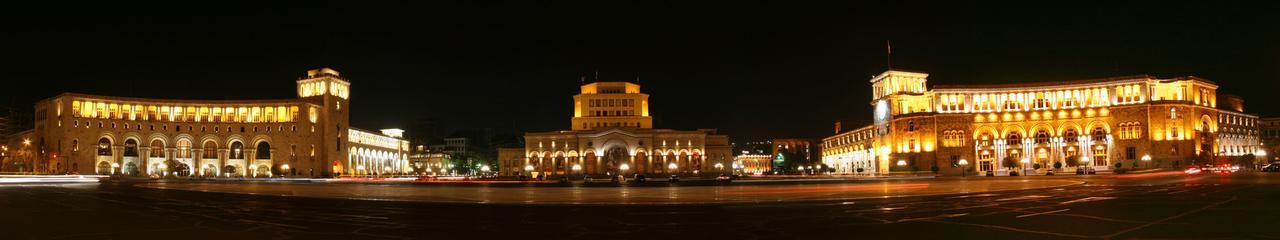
{"points": [[1271, 168]]}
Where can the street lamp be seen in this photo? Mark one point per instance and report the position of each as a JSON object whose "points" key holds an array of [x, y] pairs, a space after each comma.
{"points": [[1147, 159], [577, 169], [529, 168], [1025, 161], [672, 167], [962, 164], [284, 167], [484, 170], [623, 169], [719, 167], [114, 166], [1085, 162]]}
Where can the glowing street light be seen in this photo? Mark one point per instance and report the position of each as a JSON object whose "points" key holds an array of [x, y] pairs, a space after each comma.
{"points": [[1084, 161], [1147, 159], [626, 167], [1025, 161], [962, 164], [672, 166], [576, 167], [719, 166]]}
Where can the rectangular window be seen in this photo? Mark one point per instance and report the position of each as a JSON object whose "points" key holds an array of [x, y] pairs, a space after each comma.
{"points": [[1130, 153]]}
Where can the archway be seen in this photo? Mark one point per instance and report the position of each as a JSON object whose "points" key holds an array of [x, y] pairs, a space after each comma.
{"points": [[182, 170], [263, 171], [230, 170], [130, 168], [264, 151], [104, 168], [615, 157], [210, 170]]}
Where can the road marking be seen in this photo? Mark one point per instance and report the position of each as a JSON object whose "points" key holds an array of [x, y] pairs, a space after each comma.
{"points": [[933, 217], [1169, 218], [1088, 199], [1042, 213], [1177, 192], [1028, 197], [974, 196]]}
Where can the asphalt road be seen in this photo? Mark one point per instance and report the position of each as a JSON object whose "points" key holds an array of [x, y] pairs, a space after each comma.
{"points": [[1241, 206], [614, 194]]}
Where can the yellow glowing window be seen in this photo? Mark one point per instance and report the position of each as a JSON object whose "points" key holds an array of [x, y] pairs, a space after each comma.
{"points": [[269, 114], [254, 114], [293, 113], [75, 108]]}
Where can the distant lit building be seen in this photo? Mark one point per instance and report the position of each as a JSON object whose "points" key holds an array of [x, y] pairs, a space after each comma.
{"points": [[753, 164], [1269, 128], [612, 133], [1101, 123], [306, 136]]}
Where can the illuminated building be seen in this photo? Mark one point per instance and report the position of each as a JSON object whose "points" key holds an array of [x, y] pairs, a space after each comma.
{"points": [[753, 164], [996, 128], [612, 133], [306, 136], [1269, 128]]}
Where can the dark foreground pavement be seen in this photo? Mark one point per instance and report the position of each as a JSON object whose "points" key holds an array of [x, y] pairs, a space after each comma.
{"points": [[1169, 207]]}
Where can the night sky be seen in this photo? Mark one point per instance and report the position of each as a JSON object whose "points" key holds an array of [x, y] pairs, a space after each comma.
{"points": [[754, 71]]}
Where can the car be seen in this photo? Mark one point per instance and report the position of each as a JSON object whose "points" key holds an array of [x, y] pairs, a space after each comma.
{"points": [[1271, 168], [674, 178], [564, 179], [724, 177], [1192, 171], [640, 178]]}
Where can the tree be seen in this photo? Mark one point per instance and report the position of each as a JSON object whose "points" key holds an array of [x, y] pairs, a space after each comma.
{"points": [[1072, 161], [1010, 162]]}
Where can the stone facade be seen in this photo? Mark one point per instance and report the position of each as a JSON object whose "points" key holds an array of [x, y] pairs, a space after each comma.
{"points": [[307, 136], [1136, 121], [612, 134]]}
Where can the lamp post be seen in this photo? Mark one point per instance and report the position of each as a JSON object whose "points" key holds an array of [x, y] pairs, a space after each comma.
{"points": [[578, 170], [484, 170], [114, 168], [529, 168], [1025, 161], [623, 169], [1147, 160], [1084, 162], [962, 164], [285, 168], [673, 168], [720, 167]]}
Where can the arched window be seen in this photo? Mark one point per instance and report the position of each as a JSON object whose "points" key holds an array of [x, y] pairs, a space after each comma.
{"points": [[210, 150], [157, 148], [1099, 134], [911, 126], [953, 138], [1014, 138], [75, 145], [130, 148], [1070, 135], [104, 147], [264, 151], [985, 139], [1173, 113], [237, 150], [184, 149], [1042, 136]]}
